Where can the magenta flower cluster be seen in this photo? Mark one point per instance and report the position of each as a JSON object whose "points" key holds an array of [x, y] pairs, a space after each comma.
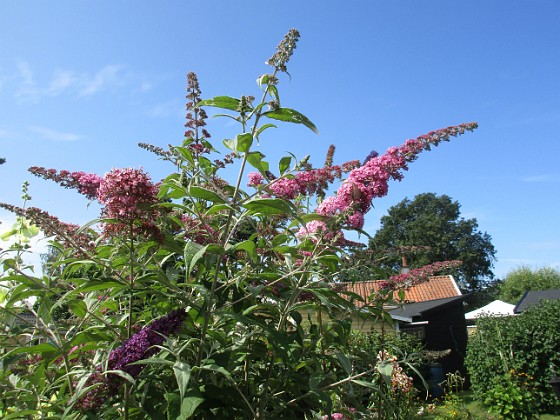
{"points": [[86, 184], [128, 196], [353, 199], [139, 346], [417, 275], [303, 183]]}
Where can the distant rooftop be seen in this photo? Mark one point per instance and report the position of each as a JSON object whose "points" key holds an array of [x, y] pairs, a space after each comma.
{"points": [[437, 287], [533, 297]]}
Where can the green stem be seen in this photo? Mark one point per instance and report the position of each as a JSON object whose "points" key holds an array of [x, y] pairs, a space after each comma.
{"points": [[224, 239], [129, 329]]}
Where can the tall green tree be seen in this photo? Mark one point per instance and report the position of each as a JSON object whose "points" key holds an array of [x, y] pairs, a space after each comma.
{"points": [[524, 278], [432, 225]]}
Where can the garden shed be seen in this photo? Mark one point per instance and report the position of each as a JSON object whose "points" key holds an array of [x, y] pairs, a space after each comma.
{"points": [[441, 324]]}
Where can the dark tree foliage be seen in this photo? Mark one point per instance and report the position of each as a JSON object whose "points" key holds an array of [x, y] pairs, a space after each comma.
{"points": [[2, 161], [435, 222]]}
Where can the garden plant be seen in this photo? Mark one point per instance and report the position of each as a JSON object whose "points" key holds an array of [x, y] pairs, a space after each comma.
{"points": [[196, 297]]}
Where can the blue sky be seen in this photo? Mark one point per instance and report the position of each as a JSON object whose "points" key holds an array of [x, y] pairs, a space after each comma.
{"points": [[82, 82]]}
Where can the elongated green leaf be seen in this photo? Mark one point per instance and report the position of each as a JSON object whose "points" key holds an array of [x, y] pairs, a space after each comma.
{"points": [[273, 90], [37, 349], [217, 368], [196, 257], [183, 375], [365, 384], [204, 194], [153, 361], [262, 80], [173, 405], [264, 127], [268, 206], [90, 286], [20, 414], [291, 115], [224, 102], [255, 160], [344, 362]]}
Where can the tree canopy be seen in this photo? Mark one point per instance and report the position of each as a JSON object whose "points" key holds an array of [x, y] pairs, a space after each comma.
{"points": [[524, 278], [429, 229]]}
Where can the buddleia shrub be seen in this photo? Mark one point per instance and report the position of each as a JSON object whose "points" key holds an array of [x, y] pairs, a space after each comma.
{"points": [[196, 296]]}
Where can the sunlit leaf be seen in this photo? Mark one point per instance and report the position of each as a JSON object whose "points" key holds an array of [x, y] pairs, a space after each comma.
{"points": [[225, 102], [292, 116], [269, 206], [205, 194]]}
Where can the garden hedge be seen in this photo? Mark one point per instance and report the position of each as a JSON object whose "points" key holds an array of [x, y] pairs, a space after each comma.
{"points": [[526, 344]]}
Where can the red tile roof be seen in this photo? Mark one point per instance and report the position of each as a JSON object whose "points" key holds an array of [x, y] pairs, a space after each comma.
{"points": [[437, 287]]}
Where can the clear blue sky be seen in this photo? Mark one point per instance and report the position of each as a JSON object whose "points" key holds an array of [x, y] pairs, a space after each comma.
{"points": [[82, 82]]}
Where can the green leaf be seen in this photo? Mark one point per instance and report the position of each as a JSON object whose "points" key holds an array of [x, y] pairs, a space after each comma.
{"points": [[264, 127], [225, 102], [182, 374], [248, 246], [262, 80], [344, 362], [78, 307], [292, 116], [37, 349], [273, 90], [242, 143], [365, 384], [189, 406], [93, 285], [204, 194], [284, 164], [268, 206], [255, 160], [218, 369], [173, 405], [21, 414]]}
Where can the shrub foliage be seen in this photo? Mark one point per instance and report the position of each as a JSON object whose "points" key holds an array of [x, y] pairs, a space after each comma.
{"points": [[527, 345]]}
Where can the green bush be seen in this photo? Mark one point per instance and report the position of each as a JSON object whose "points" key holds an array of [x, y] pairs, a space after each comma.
{"points": [[511, 397], [527, 343]]}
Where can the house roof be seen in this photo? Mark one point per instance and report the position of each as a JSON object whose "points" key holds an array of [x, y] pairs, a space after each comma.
{"points": [[410, 311], [533, 297], [496, 308], [437, 287]]}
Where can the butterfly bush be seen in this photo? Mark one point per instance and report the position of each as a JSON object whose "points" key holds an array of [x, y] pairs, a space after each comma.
{"points": [[263, 331]]}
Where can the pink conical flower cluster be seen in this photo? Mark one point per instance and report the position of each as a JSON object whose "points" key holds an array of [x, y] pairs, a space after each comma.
{"points": [[353, 198], [128, 196]]}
